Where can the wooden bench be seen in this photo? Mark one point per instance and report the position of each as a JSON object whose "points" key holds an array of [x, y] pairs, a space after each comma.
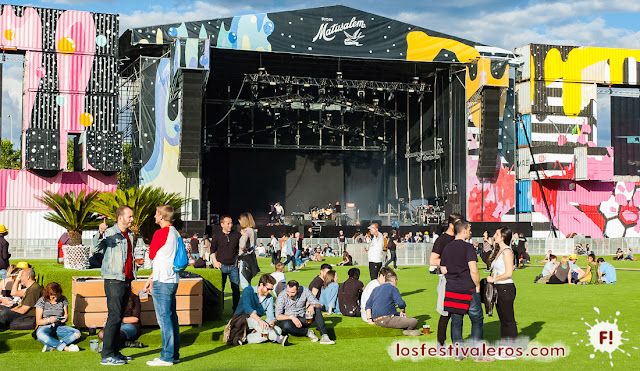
{"points": [[90, 303]]}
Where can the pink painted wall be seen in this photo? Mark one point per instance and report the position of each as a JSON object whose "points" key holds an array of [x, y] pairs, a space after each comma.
{"points": [[499, 195], [19, 189]]}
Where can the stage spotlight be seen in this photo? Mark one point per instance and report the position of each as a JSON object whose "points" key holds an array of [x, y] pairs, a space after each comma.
{"points": [[262, 71], [339, 75], [361, 93], [376, 101], [391, 96], [420, 97]]}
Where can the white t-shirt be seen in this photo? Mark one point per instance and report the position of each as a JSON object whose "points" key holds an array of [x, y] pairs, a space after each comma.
{"points": [[365, 296], [375, 249], [279, 276], [163, 261]]}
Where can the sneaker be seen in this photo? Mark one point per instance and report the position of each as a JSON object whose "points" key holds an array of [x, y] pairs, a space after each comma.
{"points": [[159, 362], [487, 271], [325, 340], [112, 361], [506, 358], [133, 344], [312, 336], [124, 358], [412, 332], [283, 340], [47, 348], [73, 348]]}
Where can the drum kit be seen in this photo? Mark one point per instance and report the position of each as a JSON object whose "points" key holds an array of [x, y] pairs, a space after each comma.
{"points": [[321, 213]]}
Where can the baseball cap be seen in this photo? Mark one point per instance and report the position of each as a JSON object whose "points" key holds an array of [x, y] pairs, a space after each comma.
{"points": [[573, 256]]}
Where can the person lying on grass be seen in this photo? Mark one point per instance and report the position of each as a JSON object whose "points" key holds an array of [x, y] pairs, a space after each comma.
{"points": [[51, 317]]}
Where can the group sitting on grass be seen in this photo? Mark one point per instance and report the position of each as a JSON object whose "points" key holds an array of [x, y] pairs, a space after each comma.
{"points": [[567, 271]]}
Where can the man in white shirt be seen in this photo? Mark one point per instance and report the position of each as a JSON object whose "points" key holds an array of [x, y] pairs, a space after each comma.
{"points": [[375, 251], [163, 283], [369, 289], [279, 212]]}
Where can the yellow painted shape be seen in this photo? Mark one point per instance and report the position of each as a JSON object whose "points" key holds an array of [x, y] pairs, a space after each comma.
{"points": [[67, 45], [9, 34], [86, 119], [422, 47], [571, 71], [484, 77], [533, 79], [246, 43]]}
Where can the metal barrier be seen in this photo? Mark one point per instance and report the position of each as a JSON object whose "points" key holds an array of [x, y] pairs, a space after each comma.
{"points": [[599, 246]]}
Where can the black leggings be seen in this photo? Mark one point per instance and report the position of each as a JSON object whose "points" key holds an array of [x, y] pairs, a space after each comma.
{"points": [[442, 329], [553, 280], [504, 306]]}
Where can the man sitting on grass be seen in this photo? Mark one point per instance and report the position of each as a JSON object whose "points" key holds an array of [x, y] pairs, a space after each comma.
{"points": [[290, 311], [629, 255], [256, 301], [381, 308], [317, 283], [369, 289], [23, 317], [576, 272], [548, 269], [606, 272]]}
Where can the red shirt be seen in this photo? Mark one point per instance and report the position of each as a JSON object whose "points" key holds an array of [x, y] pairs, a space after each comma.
{"points": [[128, 265]]}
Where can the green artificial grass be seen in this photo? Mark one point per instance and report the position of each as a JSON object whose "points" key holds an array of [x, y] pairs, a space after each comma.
{"points": [[548, 314]]}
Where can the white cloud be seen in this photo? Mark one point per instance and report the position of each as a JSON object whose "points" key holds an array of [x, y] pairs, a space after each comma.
{"points": [[12, 99], [568, 23], [195, 11]]}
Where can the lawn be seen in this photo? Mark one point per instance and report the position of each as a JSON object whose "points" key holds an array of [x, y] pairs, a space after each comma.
{"points": [[548, 314]]}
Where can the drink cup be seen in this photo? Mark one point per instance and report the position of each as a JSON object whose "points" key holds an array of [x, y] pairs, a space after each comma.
{"points": [[309, 318], [140, 261], [144, 296], [265, 334], [93, 344], [426, 329], [92, 330]]}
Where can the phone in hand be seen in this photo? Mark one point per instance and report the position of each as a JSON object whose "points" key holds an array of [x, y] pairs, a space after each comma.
{"points": [[60, 318]]}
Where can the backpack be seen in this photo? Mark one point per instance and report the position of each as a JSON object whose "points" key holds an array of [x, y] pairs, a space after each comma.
{"points": [[181, 260]]}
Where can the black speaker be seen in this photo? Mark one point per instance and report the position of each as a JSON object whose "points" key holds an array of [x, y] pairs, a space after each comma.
{"points": [[489, 137], [191, 131], [42, 151]]}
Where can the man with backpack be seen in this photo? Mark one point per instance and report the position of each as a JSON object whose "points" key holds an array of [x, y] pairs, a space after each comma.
{"points": [[163, 283]]}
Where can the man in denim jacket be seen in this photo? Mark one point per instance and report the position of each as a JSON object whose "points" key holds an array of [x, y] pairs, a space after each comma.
{"points": [[118, 270]]}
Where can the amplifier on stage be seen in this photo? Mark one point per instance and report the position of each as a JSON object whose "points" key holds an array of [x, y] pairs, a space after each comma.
{"points": [[350, 210]]}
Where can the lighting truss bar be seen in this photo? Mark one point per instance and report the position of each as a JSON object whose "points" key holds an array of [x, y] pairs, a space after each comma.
{"points": [[262, 78], [302, 147]]}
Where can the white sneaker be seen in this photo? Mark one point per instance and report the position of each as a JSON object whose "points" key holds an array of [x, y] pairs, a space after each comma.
{"points": [[159, 362], [312, 336], [325, 340], [73, 348], [47, 348]]}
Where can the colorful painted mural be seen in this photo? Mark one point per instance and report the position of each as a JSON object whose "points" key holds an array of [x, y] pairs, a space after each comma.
{"points": [[160, 130], [70, 76], [558, 96], [596, 209]]}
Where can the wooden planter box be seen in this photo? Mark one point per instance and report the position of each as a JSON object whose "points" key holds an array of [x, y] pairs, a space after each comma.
{"points": [[90, 303]]}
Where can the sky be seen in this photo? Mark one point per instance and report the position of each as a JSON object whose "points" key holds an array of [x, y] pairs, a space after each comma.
{"points": [[503, 23]]}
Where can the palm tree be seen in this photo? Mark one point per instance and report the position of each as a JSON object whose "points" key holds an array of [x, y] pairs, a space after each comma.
{"points": [[72, 213], [143, 201]]}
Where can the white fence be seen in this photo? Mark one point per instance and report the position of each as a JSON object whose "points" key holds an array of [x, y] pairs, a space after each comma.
{"points": [[599, 246]]}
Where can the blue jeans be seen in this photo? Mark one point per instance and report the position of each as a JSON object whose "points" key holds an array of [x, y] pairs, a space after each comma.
{"points": [[164, 302], [477, 321], [329, 297], [195, 256], [129, 330], [3, 274], [68, 335], [297, 260], [243, 281], [233, 273]]}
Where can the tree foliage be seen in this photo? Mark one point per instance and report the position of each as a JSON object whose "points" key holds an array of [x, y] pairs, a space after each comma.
{"points": [[10, 158], [71, 212]]}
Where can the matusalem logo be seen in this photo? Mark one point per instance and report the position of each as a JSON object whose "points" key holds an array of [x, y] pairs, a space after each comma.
{"points": [[327, 31]]}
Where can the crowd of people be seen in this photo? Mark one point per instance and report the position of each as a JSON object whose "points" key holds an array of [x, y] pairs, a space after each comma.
{"points": [[293, 309]]}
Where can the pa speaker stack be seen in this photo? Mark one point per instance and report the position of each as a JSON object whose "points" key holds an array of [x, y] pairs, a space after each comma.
{"points": [[191, 132], [488, 159]]}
